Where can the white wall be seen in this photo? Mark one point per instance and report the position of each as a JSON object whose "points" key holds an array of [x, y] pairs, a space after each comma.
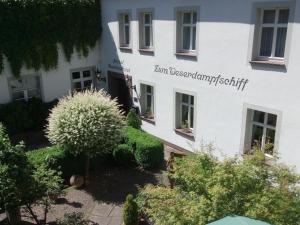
{"points": [[55, 83], [225, 39]]}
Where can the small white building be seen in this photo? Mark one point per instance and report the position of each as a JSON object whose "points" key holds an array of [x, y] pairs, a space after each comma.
{"points": [[221, 72], [77, 74]]}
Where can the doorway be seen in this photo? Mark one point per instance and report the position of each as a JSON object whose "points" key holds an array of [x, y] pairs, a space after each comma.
{"points": [[119, 86]]}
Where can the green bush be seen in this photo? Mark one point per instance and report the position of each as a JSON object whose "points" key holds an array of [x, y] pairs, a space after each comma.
{"points": [[21, 116], [133, 119], [73, 218], [210, 189], [123, 155], [57, 158], [148, 150], [130, 211]]}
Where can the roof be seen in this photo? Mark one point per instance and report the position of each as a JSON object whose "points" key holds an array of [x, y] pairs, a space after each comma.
{"points": [[238, 220]]}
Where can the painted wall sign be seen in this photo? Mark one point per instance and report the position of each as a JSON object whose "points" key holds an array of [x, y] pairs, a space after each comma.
{"points": [[238, 83], [117, 64]]}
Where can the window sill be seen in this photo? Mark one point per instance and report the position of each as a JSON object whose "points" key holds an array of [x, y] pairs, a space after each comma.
{"points": [[148, 120], [186, 134], [147, 50], [269, 62], [125, 48], [186, 54]]}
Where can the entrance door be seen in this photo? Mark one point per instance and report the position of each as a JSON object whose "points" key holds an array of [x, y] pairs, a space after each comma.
{"points": [[119, 86]]}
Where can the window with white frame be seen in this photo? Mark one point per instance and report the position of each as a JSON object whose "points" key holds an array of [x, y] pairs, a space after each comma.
{"points": [[146, 34], [273, 33], [25, 88], [262, 131], [147, 101], [186, 31], [82, 79], [185, 112], [124, 29]]}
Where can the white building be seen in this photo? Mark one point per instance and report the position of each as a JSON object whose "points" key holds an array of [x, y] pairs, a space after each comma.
{"points": [[78, 74], [208, 71]]}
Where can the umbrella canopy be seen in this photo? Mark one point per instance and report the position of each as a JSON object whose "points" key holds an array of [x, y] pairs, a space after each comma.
{"points": [[238, 220]]}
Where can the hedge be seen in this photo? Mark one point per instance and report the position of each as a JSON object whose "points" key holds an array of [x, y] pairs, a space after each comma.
{"points": [[22, 116], [58, 159], [123, 155], [148, 150]]}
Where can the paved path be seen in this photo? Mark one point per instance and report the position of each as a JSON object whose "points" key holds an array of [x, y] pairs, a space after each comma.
{"points": [[106, 214]]}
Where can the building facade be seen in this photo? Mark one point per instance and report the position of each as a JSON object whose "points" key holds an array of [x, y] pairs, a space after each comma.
{"points": [[77, 74], [203, 72]]}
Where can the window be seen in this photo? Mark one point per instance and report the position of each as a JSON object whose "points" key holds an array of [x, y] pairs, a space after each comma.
{"points": [[146, 34], [25, 88], [147, 101], [185, 112], [82, 79], [262, 131], [187, 31], [273, 33], [124, 29]]}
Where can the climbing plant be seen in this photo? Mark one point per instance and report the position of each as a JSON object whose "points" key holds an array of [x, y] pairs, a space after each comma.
{"points": [[32, 31]]}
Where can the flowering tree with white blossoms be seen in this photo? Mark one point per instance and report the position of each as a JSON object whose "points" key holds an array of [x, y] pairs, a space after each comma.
{"points": [[88, 122]]}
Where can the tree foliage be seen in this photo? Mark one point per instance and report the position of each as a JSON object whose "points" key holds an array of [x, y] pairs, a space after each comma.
{"points": [[208, 189], [30, 31], [86, 122]]}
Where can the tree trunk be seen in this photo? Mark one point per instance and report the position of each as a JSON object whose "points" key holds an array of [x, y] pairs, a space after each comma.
{"points": [[13, 216], [87, 171]]}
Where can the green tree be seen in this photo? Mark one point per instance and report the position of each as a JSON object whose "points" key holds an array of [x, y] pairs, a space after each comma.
{"points": [[133, 119], [130, 211], [210, 189], [88, 123]]}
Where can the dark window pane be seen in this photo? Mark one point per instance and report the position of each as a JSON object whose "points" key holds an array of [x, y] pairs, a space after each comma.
{"points": [[185, 98], [266, 41], [194, 18], [283, 16], [18, 95], [194, 38], [126, 35], [186, 38], [147, 18], [86, 73], [149, 101], [147, 36], [149, 89], [280, 42], [257, 133], [33, 93], [77, 86], [187, 18], [87, 84], [126, 18], [269, 16], [192, 118], [272, 120], [192, 100], [259, 116], [76, 75], [270, 139], [184, 114]]}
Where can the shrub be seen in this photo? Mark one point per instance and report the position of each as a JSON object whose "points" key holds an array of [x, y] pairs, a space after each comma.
{"points": [[133, 119], [148, 150], [87, 123], [21, 116], [123, 155], [73, 218], [211, 189], [130, 211], [57, 158]]}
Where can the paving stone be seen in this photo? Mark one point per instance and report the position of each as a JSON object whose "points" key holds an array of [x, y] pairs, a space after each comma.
{"points": [[100, 220], [117, 220], [102, 210], [116, 211]]}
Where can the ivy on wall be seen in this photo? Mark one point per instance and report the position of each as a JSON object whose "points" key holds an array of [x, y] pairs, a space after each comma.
{"points": [[31, 31]]}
